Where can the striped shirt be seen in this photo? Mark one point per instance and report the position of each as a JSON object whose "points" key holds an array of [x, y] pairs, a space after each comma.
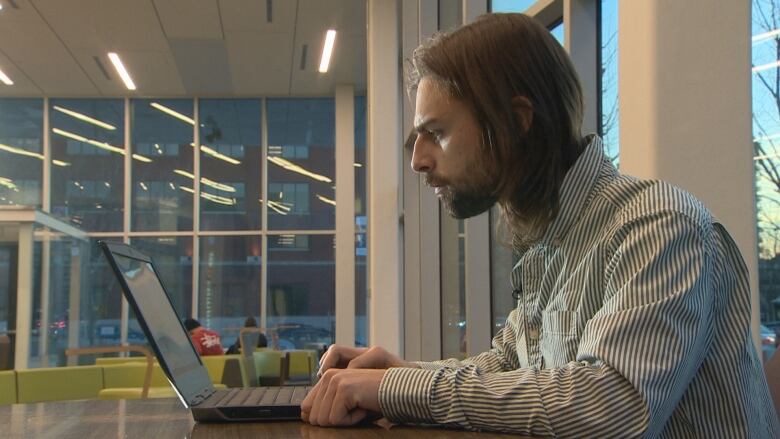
{"points": [[634, 320]]}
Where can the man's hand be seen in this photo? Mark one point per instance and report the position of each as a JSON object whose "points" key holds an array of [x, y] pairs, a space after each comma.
{"points": [[376, 357], [343, 397]]}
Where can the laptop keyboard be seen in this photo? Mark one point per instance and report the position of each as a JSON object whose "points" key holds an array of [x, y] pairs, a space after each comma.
{"points": [[261, 396]]}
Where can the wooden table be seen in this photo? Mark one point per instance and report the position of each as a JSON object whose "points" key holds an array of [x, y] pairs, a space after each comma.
{"points": [[164, 418]]}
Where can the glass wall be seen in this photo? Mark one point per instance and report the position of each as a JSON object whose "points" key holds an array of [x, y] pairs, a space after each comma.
{"points": [[21, 152], [610, 110], [162, 170], [766, 145]]}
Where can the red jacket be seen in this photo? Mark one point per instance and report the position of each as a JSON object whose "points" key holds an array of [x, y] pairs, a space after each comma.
{"points": [[206, 341]]}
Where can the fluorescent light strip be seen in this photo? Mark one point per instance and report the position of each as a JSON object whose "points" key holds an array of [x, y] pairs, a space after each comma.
{"points": [[326, 200], [206, 181], [5, 79], [20, 151], [214, 153], [173, 113], [327, 50], [358, 165], [60, 163], [210, 197], [765, 35], [84, 117], [101, 145], [288, 165], [757, 69], [120, 68]]}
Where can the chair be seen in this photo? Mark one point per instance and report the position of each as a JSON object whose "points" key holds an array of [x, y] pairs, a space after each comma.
{"points": [[268, 367], [115, 349], [8, 387], [298, 367], [59, 383]]}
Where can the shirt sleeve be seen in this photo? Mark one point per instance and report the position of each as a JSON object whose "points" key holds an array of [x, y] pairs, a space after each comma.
{"points": [[502, 357], [635, 358]]}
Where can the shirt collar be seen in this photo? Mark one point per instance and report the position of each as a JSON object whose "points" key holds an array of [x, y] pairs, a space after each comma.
{"points": [[577, 189]]}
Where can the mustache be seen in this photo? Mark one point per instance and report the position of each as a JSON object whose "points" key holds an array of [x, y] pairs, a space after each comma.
{"points": [[434, 181]]}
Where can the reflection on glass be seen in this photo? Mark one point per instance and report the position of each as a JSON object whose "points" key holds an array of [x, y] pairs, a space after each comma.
{"points": [[610, 111], [230, 269], [163, 181], [173, 258], [301, 164], [7, 282], [230, 164], [766, 146], [557, 32], [453, 288], [101, 300], [361, 225], [87, 149], [301, 290], [21, 151]]}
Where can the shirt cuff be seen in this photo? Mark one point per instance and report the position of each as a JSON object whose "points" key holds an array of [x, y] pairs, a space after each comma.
{"points": [[429, 365], [405, 394]]}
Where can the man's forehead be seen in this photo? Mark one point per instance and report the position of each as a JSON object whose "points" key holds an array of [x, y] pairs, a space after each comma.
{"points": [[432, 101]]}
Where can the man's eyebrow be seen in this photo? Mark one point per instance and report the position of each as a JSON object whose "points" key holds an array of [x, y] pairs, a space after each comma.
{"points": [[423, 126], [410, 139]]}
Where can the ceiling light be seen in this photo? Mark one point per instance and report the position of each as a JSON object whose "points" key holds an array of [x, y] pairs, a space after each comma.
{"points": [[173, 113], [6, 80], [218, 155], [84, 117], [290, 166], [765, 35], [326, 200], [757, 69], [120, 68], [327, 50]]}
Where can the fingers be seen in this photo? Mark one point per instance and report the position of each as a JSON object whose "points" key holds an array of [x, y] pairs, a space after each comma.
{"points": [[337, 357]]}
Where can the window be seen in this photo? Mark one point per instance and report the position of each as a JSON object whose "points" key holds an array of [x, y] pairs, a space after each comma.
{"points": [[230, 164], [21, 151], [301, 164], [88, 155], [162, 184], [610, 111], [766, 133]]}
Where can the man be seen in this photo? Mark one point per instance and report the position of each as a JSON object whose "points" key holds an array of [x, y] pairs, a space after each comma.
{"points": [[633, 310], [206, 341]]}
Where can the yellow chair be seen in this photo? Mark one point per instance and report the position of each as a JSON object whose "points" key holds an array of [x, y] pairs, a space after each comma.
{"points": [[104, 361], [59, 383], [149, 363], [299, 366], [268, 367], [7, 387]]}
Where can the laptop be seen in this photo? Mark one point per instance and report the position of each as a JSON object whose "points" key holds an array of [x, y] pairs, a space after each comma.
{"points": [[177, 356]]}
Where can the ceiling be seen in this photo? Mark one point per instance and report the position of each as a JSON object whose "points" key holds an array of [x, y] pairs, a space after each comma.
{"points": [[208, 48]]}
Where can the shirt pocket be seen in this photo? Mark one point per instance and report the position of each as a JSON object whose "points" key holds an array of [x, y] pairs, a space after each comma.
{"points": [[558, 338]]}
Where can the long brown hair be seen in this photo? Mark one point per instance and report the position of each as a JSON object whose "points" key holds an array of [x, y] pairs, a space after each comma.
{"points": [[486, 64]]}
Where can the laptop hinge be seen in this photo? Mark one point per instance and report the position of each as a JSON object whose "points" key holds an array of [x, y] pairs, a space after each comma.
{"points": [[200, 397]]}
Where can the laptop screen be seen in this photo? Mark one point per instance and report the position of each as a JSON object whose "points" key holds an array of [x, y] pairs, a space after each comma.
{"points": [[169, 336]]}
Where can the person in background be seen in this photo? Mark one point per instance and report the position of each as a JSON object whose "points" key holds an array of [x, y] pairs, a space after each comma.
{"points": [[206, 341], [262, 341]]}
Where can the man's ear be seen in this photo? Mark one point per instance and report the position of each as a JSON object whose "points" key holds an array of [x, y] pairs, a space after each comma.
{"points": [[524, 112]]}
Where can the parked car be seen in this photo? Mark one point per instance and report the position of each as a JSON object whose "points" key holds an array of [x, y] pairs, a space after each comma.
{"points": [[769, 342]]}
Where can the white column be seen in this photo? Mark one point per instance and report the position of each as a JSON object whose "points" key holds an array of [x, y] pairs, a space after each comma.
{"points": [[384, 154], [422, 280], [345, 215], [196, 211], [24, 299], [685, 107], [124, 316], [580, 37], [477, 251], [74, 300]]}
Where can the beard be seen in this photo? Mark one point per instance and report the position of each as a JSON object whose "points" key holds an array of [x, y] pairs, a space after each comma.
{"points": [[467, 201]]}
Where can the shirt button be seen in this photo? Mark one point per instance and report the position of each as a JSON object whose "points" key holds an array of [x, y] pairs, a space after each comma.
{"points": [[533, 333]]}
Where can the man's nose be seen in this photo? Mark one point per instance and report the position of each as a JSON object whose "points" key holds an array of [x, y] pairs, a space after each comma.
{"points": [[422, 160]]}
